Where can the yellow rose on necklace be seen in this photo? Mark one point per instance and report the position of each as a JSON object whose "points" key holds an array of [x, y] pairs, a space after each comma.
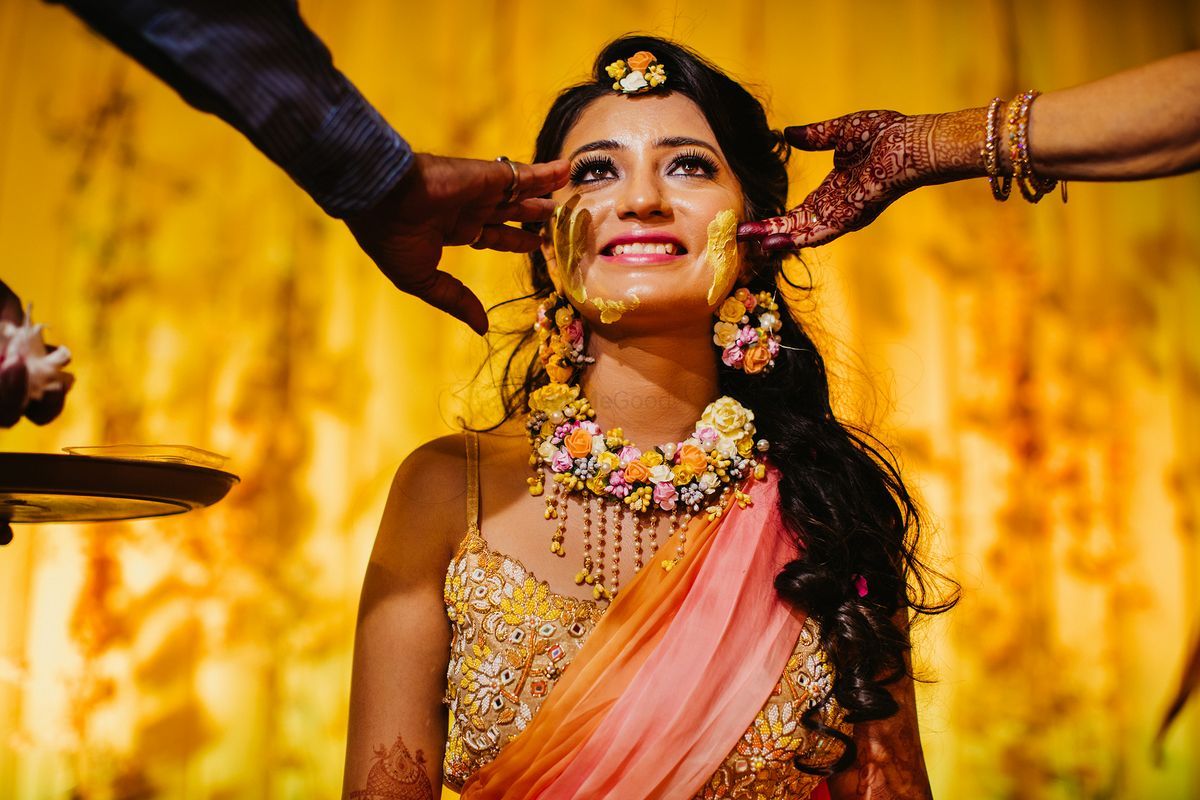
{"points": [[727, 415], [652, 458], [552, 397], [607, 462]]}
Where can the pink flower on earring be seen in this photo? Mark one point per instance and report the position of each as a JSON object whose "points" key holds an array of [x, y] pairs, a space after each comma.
{"points": [[860, 585], [732, 356], [574, 331]]}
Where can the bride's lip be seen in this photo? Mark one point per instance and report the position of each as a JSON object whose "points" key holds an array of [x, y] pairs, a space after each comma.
{"points": [[648, 239]]}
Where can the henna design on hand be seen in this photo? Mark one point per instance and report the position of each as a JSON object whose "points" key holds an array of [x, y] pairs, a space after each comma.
{"points": [[396, 775], [878, 156], [892, 762], [956, 145]]}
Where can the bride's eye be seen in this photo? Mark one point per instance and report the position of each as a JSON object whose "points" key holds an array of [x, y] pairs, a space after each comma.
{"points": [[694, 163], [591, 169]]}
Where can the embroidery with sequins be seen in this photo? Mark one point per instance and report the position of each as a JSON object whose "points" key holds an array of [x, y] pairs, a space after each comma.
{"points": [[513, 637]]}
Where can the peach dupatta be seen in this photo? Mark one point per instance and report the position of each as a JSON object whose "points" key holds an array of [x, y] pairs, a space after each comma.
{"points": [[672, 675]]}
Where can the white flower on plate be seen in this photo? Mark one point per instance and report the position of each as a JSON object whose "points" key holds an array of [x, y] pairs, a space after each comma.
{"points": [[634, 81], [708, 482], [547, 450]]}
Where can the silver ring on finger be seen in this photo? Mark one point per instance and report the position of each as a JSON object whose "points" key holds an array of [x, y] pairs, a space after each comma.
{"points": [[514, 187]]}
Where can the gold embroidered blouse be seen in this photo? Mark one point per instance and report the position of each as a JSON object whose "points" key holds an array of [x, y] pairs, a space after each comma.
{"points": [[512, 637]]}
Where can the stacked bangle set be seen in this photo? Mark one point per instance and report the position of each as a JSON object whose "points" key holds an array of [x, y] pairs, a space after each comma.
{"points": [[1032, 187]]}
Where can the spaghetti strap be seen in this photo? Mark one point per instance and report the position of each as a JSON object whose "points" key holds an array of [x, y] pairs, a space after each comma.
{"points": [[473, 482]]}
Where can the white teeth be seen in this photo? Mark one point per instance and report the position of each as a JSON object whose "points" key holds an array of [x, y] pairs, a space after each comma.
{"points": [[639, 248]]}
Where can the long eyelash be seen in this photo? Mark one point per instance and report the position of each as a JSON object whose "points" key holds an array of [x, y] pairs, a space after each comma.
{"points": [[698, 155], [587, 163]]}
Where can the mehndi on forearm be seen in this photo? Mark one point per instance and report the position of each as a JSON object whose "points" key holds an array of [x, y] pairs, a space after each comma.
{"points": [[946, 147], [395, 774]]}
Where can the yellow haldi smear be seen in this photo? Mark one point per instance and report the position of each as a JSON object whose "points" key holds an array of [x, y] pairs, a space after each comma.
{"points": [[722, 254], [611, 310], [569, 226], [577, 246]]}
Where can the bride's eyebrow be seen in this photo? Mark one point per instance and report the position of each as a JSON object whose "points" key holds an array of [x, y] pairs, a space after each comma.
{"points": [[683, 141], [665, 143], [602, 144]]}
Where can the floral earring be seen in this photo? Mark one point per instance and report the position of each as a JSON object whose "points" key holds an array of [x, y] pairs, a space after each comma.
{"points": [[560, 338], [747, 331]]}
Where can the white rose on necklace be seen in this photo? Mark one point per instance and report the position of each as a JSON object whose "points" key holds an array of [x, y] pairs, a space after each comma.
{"points": [[660, 474]]}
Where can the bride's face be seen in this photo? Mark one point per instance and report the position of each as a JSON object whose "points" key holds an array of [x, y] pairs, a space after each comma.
{"points": [[649, 172]]}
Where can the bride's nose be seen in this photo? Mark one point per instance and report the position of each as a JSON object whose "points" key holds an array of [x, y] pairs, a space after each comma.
{"points": [[642, 195]]}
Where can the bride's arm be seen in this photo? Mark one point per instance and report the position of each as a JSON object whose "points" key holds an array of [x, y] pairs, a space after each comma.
{"points": [[402, 640], [890, 763]]}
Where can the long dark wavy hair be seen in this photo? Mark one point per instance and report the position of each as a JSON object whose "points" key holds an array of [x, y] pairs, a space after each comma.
{"points": [[841, 494]]}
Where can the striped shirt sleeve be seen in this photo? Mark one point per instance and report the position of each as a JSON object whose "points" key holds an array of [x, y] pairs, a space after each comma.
{"points": [[256, 65]]}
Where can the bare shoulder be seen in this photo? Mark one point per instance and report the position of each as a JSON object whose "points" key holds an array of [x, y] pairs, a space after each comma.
{"points": [[426, 505], [504, 443], [436, 472]]}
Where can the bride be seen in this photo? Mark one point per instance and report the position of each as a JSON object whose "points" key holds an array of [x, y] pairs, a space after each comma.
{"points": [[670, 570]]}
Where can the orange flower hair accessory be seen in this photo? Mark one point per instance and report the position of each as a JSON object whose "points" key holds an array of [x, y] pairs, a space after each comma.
{"points": [[640, 73]]}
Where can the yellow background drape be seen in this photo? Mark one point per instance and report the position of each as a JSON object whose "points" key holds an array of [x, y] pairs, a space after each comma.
{"points": [[1037, 367]]}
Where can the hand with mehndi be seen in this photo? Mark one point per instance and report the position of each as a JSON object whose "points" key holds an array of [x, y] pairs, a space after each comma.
{"points": [[878, 156]]}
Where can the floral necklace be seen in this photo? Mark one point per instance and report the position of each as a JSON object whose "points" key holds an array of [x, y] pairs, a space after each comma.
{"points": [[696, 475]]}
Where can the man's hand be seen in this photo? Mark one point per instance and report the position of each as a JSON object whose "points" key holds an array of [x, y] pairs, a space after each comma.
{"points": [[878, 156], [454, 201]]}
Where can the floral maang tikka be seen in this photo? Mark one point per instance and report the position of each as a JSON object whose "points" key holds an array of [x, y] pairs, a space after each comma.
{"points": [[637, 74]]}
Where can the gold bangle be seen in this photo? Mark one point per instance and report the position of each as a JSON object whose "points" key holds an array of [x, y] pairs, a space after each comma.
{"points": [[1033, 188], [1001, 184]]}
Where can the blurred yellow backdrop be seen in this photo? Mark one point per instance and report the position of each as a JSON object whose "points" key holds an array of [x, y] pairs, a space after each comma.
{"points": [[1037, 367]]}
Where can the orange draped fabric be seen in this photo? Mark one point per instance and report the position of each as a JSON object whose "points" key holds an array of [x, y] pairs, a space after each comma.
{"points": [[671, 676]]}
